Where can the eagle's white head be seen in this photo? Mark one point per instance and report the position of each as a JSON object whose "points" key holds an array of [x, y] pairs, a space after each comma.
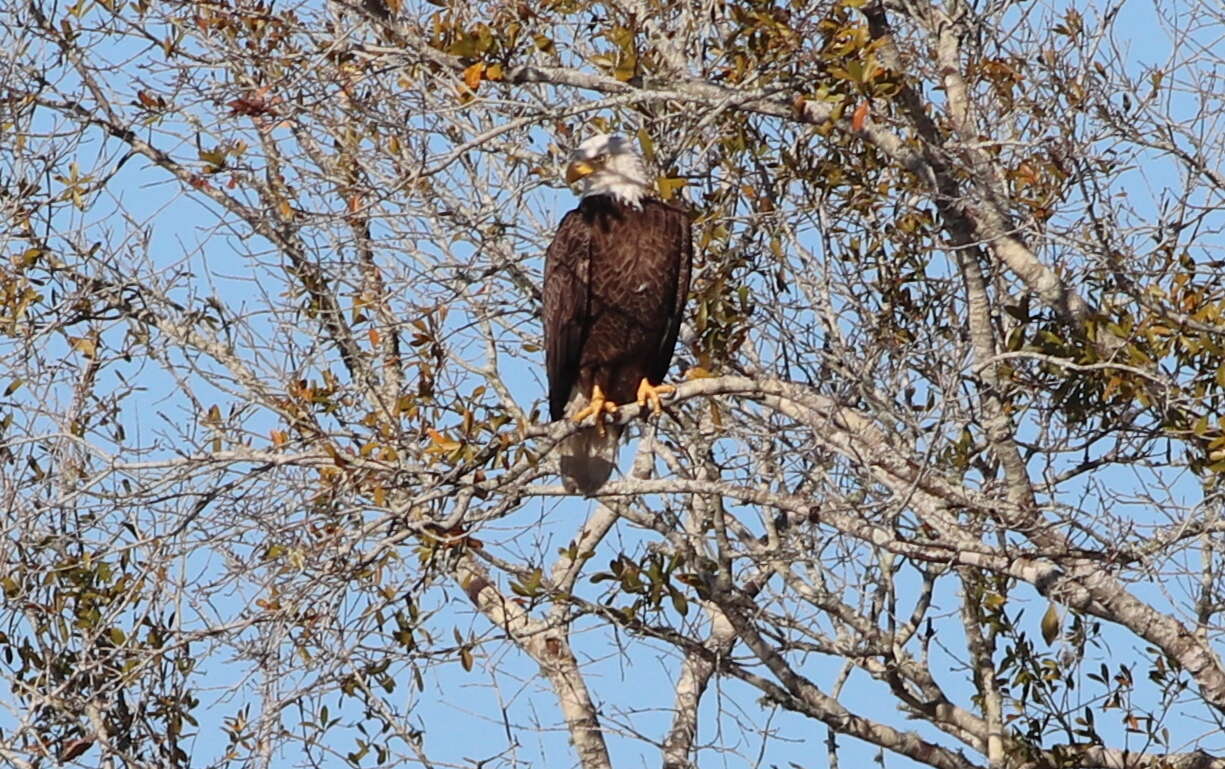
{"points": [[608, 165]]}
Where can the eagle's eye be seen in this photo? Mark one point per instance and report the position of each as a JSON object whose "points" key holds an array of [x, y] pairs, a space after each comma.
{"points": [[599, 159]]}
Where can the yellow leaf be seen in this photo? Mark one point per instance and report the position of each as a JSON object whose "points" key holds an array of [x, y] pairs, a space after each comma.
{"points": [[212, 418], [494, 72], [84, 345], [669, 186], [214, 157], [28, 258], [625, 71], [544, 44], [648, 146]]}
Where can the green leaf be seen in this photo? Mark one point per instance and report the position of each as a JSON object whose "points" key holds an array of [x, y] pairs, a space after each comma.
{"points": [[1050, 624], [680, 603]]}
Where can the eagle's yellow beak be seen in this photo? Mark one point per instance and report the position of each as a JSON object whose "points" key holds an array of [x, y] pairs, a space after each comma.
{"points": [[577, 170]]}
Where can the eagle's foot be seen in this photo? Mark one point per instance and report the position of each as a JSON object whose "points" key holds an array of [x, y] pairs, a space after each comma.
{"points": [[597, 407], [649, 393]]}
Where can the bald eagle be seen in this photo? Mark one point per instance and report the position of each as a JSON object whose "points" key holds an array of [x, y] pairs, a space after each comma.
{"points": [[615, 281]]}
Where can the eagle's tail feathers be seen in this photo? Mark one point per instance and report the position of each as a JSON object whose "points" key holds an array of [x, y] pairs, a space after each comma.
{"points": [[588, 458]]}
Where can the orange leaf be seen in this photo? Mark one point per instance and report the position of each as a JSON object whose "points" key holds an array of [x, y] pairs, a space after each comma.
{"points": [[441, 441], [472, 75], [375, 337], [860, 116]]}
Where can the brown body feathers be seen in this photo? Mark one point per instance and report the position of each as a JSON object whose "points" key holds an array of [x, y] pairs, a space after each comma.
{"points": [[616, 279]]}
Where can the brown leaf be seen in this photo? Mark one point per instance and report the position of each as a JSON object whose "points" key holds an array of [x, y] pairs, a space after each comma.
{"points": [[253, 104], [474, 586], [75, 748], [148, 100], [798, 105]]}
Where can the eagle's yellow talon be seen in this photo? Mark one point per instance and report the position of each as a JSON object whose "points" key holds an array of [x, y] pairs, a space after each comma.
{"points": [[648, 392], [597, 407]]}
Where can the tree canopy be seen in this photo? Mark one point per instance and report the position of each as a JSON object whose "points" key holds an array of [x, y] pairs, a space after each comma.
{"points": [[940, 485]]}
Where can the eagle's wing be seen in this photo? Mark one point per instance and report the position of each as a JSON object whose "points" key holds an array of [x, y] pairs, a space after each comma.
{"points": [[566, 305], [680, 230]]}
